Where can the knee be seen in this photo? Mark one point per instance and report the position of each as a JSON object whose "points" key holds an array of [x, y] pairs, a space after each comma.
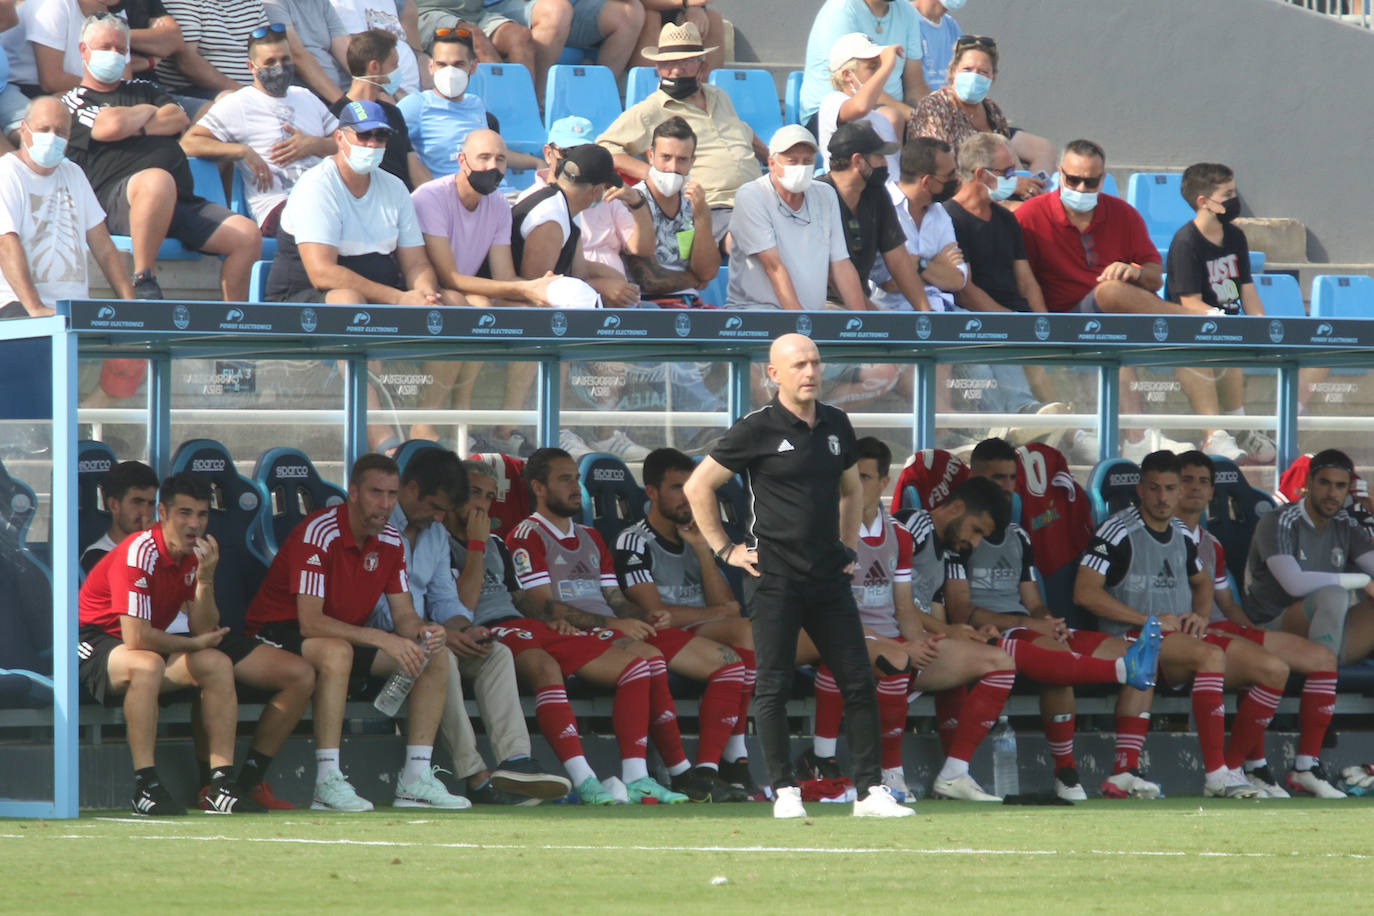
{"points": [[145, 666], [1275, 673], [245, 237], [1324, 659], [624, 15], [300, 677], [211, 667], [152, 184], [554, 14], [332, 656], [1211, 658], [1331, 598]]}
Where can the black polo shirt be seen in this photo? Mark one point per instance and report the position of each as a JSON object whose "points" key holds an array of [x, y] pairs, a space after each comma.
{"points": [[793, 474], [872, 229]]}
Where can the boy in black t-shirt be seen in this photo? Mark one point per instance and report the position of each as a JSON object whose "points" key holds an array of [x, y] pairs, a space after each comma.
{"points": [[1209, 264]]}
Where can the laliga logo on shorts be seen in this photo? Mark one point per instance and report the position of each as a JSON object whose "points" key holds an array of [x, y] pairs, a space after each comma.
{"points": [[612, 321], [207, 465], [1324, 330], [682, 325], [854, 324], [310, 320], [1042, 328], [1208, 327], [1092, 327], [181, 317], [434, 322], [371, 562], [361, 318], [291, 472], [233, 315], [106, 311], [804, 325], [488, 320], [923, 327], [1276, 331], [973, 324], [734, 323], [559, 324], [1161, 330]]}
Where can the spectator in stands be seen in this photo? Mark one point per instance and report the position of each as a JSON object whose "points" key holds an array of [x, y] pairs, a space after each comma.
{"points": [[49, 219], [323, 68], [961, 108], [272, 131], [386, 16], [883, 22], [124, 135], [125, 605], [658, 13], [372, 57], [1209, 265], [434, 484], [130, 493], [12, 101], [153, 34], [501, 30], [928, 179], [726, 146], [53, 30], [858, 70], [788, 235], [349, 233], [939, 31], [319, 591], [214, 53]]}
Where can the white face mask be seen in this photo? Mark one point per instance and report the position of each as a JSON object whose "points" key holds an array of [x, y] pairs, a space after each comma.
{"points": [[797, 178], [47, 149], [666, 183], [365, 159], [451, 82]]}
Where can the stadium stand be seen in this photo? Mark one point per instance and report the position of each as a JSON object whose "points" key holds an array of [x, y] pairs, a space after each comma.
{"points": [[640, 83], [1111, 487], [294, 489], [754, 96], [508, 93], [1280, 295], [791, 113], [586, 91], [611, 500], [1342, 296], [93, 461]]}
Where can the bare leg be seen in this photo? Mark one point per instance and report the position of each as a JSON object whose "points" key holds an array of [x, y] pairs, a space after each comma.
{"points": [[152, 196], [138, 674], [333, 661], [620, 23], [292, 680], [514, 43], [549, 24], [239, 240], [213, 673]]}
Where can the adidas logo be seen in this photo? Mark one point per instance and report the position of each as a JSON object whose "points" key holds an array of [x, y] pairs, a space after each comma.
{"points": [[142, 582], [314, 560], [1219, 711], [666, 716], [221, 802], [642, 742], [569, 732], [1327, 710], [731, 721], [988, 724], [143, 803], [784, 446]]}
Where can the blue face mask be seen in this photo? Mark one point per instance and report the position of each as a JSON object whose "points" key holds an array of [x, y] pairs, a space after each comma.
{"points": [[47, 149], [1078, 201], [971, 87], [106, 65], [1005, 187]]}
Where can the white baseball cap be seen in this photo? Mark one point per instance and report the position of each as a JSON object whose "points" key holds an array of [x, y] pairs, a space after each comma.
{"points": [[851, 46]]}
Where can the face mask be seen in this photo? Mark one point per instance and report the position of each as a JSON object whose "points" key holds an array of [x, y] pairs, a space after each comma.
{"points": [[953, 5], [47, 150], [364, 159], [971, 87], [390, 82], [878, 177], [1005, 187], [945, 192], [1230, 209], [666, 183], [485, 181], [679, 87], [107, 66], [276, 79], [797, 178], [1078, 201], [451, 82]]}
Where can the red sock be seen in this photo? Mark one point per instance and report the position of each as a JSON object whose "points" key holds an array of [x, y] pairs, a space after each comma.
{"points": [[1049, 666], [1314, 711], [750, 676], [630, 713], [1210, 716], [1059, 735], [1253, 715], [718, 711], [948, 704], [981, 709], [557, 722], [1130, 738], [829, 704], [663, 715], [892, 692]]}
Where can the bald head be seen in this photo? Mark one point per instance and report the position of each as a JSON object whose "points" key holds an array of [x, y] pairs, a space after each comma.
{"points": [[483, 152], [794, 365], [785, 345], [482, 139]]}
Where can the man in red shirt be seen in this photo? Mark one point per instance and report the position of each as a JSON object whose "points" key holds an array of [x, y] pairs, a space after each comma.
{"points": [[125, 605], [315, 601]]}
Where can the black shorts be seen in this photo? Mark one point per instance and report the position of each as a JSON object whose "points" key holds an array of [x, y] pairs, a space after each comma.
{"points": [[95, 645], [286, 634], [194, 220]]}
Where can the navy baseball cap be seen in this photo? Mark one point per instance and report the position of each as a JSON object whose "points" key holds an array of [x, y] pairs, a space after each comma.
{"points": [[364, 115]]}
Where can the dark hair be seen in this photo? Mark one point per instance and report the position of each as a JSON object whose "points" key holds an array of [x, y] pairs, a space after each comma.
{"points": [[1330, 458], [184, 483], [662, 460], [452, 36], [437, 470], [1201, 179], [993, 449], [478, 466], [270, 36], [371, 462], [537, 464], [1085, 148], [675, 128], [981, 496], [1160, 462], [873, 448], [1197, 459], [365, 47], [918, 157], [126, 476]]}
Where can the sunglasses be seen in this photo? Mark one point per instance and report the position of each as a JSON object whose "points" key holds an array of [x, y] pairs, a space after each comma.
{"points": [[1082, 181], [378, 134], [459, 32], [275, 28], [975, 41]]}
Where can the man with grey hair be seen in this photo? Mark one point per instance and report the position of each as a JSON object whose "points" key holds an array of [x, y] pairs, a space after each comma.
{"points": [[48, 218]]}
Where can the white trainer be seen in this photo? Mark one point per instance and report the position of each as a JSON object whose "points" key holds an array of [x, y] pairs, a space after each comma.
{"points": [[880, 803], [1067, 785], [1257, 445], [1130, 784], [620, 445], [334, 793], [425, 791], [573, 444], [788, 803], [963, 788], [1313, 782], [1230, 784], [1222, 443], [1261, 778]]}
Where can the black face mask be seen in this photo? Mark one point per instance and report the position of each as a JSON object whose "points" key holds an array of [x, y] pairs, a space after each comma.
{"points": [[1229, 210], [275, 80], [679, 87], [945, 192], [878, 177], [485, 181]]}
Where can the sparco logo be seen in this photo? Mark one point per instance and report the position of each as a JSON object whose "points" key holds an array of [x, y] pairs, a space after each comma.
{"points": [[93, 466], [294, 471], [614, 474], [207, 464]]}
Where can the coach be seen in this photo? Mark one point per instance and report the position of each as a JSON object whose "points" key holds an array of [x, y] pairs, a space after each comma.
{"points": [[799, 455]]}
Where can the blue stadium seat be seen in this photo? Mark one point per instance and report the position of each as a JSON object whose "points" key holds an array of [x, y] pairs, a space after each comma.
{"points": [[755, 97], [1156, 196], [235, 504], [17, 506], [517, 180], [611, 500], [508, 93], [1280, 295], [93, 461], [207, 183], [1235, 510], [294, 489], [715, 291], [792, 98], [406, 450], [640, 83], [257, 280], [1343, 296], [26, 612], [571, 56], [1257, 259], [1112, 487], [589, 92]]}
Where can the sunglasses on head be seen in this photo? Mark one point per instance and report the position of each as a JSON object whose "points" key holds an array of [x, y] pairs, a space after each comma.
{"points": [[275, 28], [458, 32], [975, 41]]}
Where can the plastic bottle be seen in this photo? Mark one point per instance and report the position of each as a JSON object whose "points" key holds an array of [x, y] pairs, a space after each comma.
{"points": [[1006, 779], [398, 686]]}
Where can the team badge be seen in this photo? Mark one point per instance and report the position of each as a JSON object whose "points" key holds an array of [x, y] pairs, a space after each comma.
{"points": [[189, 577], [521, 559], [371, 562], [1338, 557], [834, 443]]}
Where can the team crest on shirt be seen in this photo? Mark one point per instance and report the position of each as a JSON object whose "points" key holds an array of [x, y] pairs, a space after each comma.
{"points": [[834, 442], [189, 577], [1338, 557], [371, 562], [521, 559]]}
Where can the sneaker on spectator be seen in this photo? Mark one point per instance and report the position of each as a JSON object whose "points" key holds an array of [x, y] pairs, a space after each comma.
{"points": [[334, 793], [522, 776], [153, 800], [1083, 447], [879, 802], [488, 794], [1257, 445], [1222, 443], [1130, 784], [426, 791], [1052, 436], [574, 444], [146, 285], [620, 445], [515, 445], [788, 803], [1067, 785], [262, 794], [1153, 441]]}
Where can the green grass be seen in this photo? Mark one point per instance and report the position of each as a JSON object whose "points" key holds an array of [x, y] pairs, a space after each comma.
{"points": [[1166, 856]]}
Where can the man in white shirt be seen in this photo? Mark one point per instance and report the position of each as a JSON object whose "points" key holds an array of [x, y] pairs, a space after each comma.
{"points": [[273, 131], [49, 216], [928, 179], [129, 490], [53, 30]]}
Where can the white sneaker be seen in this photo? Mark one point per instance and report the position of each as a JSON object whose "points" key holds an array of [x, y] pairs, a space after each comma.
{"points": [[1257, 445], [895, 780], [1067, 786], [788, 803], [1313, 782], [1261, 778], [620, 445], [1231, 784], [964, 788], [425, 791], [511, 445], [573, 444], [1130, 784], [1222, 443], [880, 803], [1083, 447], [334, 793], [1153, 441]]}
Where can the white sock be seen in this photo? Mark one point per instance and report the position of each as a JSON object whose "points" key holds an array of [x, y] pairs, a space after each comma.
{"points": [[1218, 774], [1304, 762], [418, 757], [579, 771], [632, 768], [1251, 765], [1121, 670], [677, 769], [735, 749], [953, 768], [893, 774], [824, 747], [326, 762], [712, 766]]}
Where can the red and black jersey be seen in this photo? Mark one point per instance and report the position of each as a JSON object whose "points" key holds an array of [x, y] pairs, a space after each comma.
{"points": [[138, 579]]}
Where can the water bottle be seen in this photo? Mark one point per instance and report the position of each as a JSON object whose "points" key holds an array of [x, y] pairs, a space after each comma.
{"points": [[1006, 779], [397, 687]]}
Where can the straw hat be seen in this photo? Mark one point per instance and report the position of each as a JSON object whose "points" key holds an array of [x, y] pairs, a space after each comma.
{"points": [[677, 42]]}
